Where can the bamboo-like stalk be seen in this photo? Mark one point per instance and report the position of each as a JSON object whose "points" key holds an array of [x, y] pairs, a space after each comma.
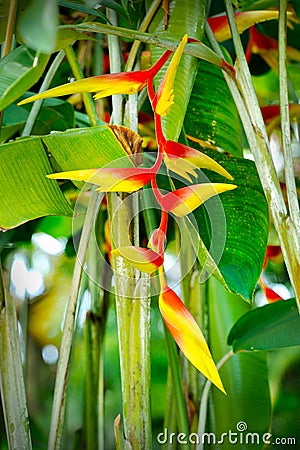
{"points": [[247, 104], [12, 386], [285, 117], [132, 294]]}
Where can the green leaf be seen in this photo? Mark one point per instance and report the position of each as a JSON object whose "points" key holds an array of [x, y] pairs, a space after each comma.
{"points": [[55, 115], [25, 192], [272, 326], [83, 8], [67, 36], [245, 376], [13, 120], [245, 5], [185, 17], [87, 148], [39, 24], [234, 226], [212, 115], [19, 70], [12, 384]]}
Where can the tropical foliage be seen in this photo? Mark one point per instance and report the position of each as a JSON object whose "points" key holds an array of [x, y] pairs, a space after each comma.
{"points": [[150, 235]]}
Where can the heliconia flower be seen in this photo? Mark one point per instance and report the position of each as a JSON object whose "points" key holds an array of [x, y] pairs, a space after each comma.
{"points": [[270, 294], [267, 48], [105, 85], [187, 334], [165, 94], [244, 20], [157, 241], [143, 259], [271, 115], [184, 200], [183, 160], [110, 179]]}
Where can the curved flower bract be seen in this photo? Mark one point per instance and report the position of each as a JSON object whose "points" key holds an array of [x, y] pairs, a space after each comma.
{"points": [[183, 159], [184, 200], [188, 336], [103, 85], [165, 93], [110, 179], [143, 259]]}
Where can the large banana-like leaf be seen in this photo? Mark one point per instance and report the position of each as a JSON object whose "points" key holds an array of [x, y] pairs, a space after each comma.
{"points": [[272, 326], [212, 115], [26, 193], [245, 377], [234, 228], [19, 70], [185, 17], [245, 227]]}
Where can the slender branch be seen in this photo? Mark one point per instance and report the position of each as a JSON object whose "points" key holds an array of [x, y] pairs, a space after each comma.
{"points": [[199, 50], [45, 85], [10, 28], [78, 74], [143, 27], [285, 117], [204, 401]]}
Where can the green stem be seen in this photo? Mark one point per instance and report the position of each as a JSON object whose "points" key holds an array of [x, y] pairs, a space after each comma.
{"points": [[10, 28], [285, 117], [181, 413], [170, 420], [204, 401], [133, 315], [12, 386], [45, 85], [199, 50], [58, 408], [78, 74], [143, 27], [251, 117]]}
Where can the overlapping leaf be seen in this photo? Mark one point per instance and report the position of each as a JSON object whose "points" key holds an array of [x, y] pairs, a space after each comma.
{"points": [[272, 326], [28, 194], [18, 72]]}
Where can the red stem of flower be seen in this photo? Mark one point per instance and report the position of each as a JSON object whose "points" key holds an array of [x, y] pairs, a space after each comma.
{"points": [[164, 221], [159, 63]]}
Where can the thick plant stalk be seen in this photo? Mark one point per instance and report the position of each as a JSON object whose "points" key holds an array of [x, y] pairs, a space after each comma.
{"points": [[132, 294], [247, 104], [133, 315], [285, 118]]}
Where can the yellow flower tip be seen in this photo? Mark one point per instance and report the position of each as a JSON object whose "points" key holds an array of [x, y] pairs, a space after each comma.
{"points": [[141, 258], [165, 93], [187, 334]]}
